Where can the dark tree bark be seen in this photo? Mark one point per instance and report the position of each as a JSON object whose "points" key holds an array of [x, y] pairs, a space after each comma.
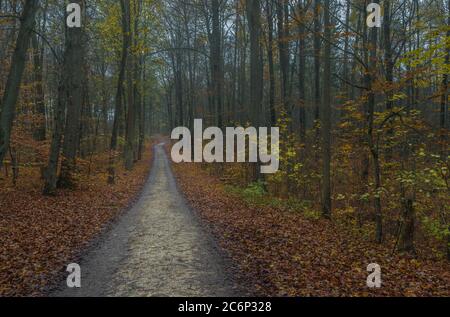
{"points": [[326, 117], [269, 13], [406, 242], [445, 97], [256, 63], [346, 49], [283, 46], [12, 88], [51, 171], [317, 53], [242, 74], [38, 61], [302, 69], [141, 111], [74, 69], [216, 62], [130, 135], [118, 111], [388, 63], [388, 56], [370, 77], [253, 8]]}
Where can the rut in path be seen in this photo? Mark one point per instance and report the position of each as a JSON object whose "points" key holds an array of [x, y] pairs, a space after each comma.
{"points": [[156, 249]]}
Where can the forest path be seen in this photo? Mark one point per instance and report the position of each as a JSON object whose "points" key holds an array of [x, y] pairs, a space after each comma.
{"points": [[158, 248]]}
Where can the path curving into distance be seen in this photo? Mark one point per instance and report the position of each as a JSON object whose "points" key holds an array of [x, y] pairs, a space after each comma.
{"points": [[158, 248]]}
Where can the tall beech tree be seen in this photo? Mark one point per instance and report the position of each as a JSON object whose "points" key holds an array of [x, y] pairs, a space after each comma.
{"points": [[75, 76], [120, 94], [326, 115]]}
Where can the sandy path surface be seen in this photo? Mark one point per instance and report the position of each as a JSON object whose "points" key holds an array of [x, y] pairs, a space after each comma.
{"points": [[158, 248]]}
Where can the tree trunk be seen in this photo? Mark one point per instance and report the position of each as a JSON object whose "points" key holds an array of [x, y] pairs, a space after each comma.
{"points": [[256, 66], [74, 74], [326, 118], [256, 69], [130, 135], [389, 65], [283, 46], [216, 63], [388, 58], [406, 242], [38, 59], [444, 97], [346, 49], [370, 77], [12, 88], [141, 112], [120, 90], [51, 172], [273, 116], [317, 52], [302, 70]]}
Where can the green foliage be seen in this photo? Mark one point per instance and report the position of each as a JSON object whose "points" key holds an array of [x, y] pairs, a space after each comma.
{"points": [[255, 191], [435, 228], [121, 141], [256, 195]]}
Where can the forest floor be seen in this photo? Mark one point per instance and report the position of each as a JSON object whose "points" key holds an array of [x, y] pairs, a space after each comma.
{"points": [[40, 236], [158, 248], [161, 247], [284, 253]]}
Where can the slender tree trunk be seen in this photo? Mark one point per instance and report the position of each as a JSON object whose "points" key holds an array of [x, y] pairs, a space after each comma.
{"points": [[130, 135], [142, 113], [388, 58], [445, 96], [346, 49], [283, 46], [370, 77], [273, 115], [389, 64], [120, 89], [51, 172], [74, 62], [326, 117], [256, 69], [169, 108], [356, 48], [317, 65], [234, 84], [12, 88], [302, 69], [38, 59], [406, 242], [256, 66], [216, 62], [137, 82]]}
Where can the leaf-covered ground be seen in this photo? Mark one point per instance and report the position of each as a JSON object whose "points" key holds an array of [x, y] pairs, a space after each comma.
{"points": [[40, 236], [286, 254]]}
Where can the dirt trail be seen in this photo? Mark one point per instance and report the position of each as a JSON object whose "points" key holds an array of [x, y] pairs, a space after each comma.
{"points": [[156, 249]]}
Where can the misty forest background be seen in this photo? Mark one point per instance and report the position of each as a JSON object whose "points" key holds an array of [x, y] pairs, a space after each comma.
{"points": [[363, 112]]}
